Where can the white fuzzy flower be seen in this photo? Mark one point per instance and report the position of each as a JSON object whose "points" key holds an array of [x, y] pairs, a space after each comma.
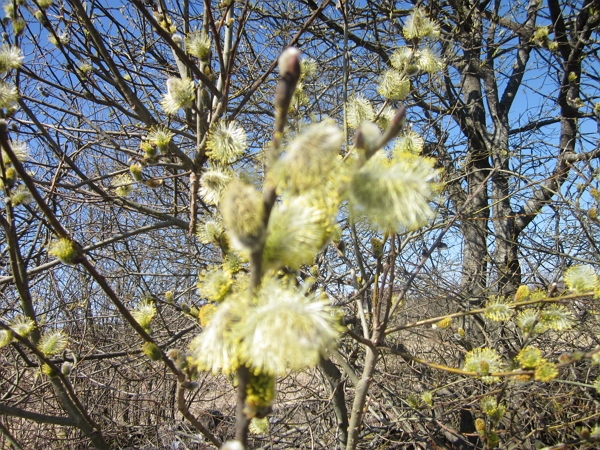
{"points": [[402, 58], [418, 26], [215, 349], [557, 317], [123, 184], [8, 95], [22, 326], [53, 343], [529, 321], [410, 142], [45, 4], [6, 337], [161, 137], [214, 284], [19, 148], [308, 68], [394, 85], [144, 313], [209, 232], [310, 158], [10, 58], [428, 61], [483, 361], [386, 117], [359, 110], [226, 143], [581, 279], [180, 94], [212, 185], [243, 215], [498, 309], [198, 44], [21, 196], [298, 230], [390, 194], [288, 331]]}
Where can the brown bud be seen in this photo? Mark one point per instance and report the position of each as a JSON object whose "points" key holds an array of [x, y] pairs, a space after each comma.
{"points": [[289, 71], [289, 63]]}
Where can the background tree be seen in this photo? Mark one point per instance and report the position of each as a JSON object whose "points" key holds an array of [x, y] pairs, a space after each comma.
{"points": [[118, 177]]}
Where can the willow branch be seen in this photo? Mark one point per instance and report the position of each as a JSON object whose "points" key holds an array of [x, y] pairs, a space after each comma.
{"points": [[36, 417]]}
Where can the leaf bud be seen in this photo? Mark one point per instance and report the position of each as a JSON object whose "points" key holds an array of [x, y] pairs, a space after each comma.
{"points": [[48, 370], [65, 250], [522, 293], [136, 171], [232, 445], [10, 176], [367, 138], [377, 248], [189, 385], [6, 337], [243, 212], [480, 426], [66, 368], [584, 433], [289, 71], [289, 63], [443, 324], [153, 183], [152, 351]]}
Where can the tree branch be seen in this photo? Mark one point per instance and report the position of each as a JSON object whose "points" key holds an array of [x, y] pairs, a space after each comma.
{"points": [[37, 417]]}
